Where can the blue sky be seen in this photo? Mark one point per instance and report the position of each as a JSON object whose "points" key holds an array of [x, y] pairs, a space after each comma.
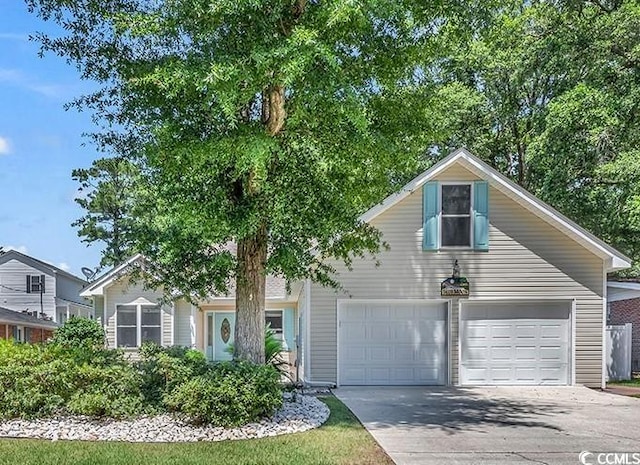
{"points": [[40, 143]]}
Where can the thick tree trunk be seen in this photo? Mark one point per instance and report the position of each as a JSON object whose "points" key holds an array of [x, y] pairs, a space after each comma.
{"points": [[250, 297]]}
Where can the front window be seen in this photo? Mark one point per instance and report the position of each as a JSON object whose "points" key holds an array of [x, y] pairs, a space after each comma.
{"points": [[456, 215], [137, 324], [273, 319]]}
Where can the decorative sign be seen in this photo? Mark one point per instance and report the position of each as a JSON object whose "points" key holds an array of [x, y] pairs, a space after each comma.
{"points": [[454, 287], [225, 330]]}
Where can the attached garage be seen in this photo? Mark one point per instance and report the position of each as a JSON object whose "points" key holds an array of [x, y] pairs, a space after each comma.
{"points": [[392, 342], [515, 343]]}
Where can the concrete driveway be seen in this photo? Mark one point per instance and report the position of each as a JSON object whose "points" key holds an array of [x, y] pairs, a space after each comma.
{"points": [[448, 425]]}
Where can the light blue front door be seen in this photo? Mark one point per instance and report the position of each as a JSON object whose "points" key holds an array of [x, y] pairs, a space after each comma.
{"points": [[220, 326]]}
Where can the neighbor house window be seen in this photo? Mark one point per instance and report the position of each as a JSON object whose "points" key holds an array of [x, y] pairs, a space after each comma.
{"points": [[35, 284], [137, 324], [273, 319], [456, 215]]}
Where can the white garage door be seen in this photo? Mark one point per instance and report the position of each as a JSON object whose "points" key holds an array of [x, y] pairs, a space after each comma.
{"points": [[515, 343], [396, 343]]}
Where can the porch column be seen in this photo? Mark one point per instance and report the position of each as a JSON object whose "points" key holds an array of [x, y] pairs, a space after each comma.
{"points": [[192, 326], [68, 313]]}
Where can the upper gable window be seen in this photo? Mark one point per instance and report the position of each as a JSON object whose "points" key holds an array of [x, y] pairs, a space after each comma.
{"points": [[35, 284], [455, 216]]}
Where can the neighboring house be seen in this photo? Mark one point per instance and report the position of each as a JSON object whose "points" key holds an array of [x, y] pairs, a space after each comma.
{"points": [[40, 289], [624, 307], [483, 284], [24, 328]]}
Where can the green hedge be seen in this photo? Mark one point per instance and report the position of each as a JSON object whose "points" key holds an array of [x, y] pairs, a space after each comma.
{"points": [[229, 394], [45, 380]]}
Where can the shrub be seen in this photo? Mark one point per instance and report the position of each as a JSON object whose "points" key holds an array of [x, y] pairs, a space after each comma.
{"points": [[37, 381], [272, 349], [112, 391], [80, 333], [33, 380], [165, 368], [229, 394]]}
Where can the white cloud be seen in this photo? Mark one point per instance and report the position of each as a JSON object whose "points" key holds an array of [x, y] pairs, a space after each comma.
{"points": [[64, 266], [19, 248], [18, 78], [5, 147]]}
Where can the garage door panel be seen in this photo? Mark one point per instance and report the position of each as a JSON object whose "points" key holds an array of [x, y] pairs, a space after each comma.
{"points": [[397, 344], [516, 344]]}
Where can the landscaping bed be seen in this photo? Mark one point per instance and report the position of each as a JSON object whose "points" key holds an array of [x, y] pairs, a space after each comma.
{"points": [[298, 413], [74, 388], [340, 441]]}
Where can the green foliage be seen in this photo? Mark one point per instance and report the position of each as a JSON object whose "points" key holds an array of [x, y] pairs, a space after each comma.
{"points": [[547, 93], [80, 333], [273, 349], [248, 118], [164, 369], [42, 380], [106, 189], [229, 394], [112, 391]]}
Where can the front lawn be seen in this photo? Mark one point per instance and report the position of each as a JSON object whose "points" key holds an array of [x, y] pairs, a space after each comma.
{"points": [[341, 440]]}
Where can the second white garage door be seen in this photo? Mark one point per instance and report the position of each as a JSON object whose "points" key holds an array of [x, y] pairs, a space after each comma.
{"points": [[392, 343], [515, 343]]}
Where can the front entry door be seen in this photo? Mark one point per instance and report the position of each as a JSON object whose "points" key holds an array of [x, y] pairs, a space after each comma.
{"points": [[220, 326]]}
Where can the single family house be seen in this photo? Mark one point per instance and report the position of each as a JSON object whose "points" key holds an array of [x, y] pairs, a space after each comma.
{"points": [[482, 284], [33, 287]]}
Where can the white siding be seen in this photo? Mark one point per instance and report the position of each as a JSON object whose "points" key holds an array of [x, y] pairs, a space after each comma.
{"points": [[527, 258], [13, 289], [122, 292], [182, 330]]}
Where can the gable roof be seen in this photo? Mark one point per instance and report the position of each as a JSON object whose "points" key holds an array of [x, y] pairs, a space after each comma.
{"points": [[97, 287], [614, 259], [18, 318], [44, 267], [275, 286]]}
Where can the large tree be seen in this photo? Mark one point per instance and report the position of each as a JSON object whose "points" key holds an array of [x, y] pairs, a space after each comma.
{"points": [[106, 192], [549, 94], [269, 124]]}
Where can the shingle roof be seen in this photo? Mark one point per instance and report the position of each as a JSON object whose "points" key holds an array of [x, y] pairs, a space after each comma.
{"points": [[38, 264], [18, 318]]}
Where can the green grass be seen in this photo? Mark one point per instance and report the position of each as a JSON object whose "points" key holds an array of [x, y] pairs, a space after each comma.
{"points": [[635, 382], [341, 440]]}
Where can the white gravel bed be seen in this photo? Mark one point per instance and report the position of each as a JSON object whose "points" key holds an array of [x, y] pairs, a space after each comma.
{"points": [[298, 413]]}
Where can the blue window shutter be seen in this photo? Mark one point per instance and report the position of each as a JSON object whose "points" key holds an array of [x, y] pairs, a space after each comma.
{"points": [[288, 330], [481, 215], [430, 207]]}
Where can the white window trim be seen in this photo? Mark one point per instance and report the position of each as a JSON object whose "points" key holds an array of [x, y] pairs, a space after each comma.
{"points": [[138, 323], [281, 311], [471, 204]]}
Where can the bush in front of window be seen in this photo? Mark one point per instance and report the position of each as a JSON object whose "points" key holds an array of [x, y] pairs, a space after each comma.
{"points": [[80, 333], [165, 368], [45, 380], [229, 394]]}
